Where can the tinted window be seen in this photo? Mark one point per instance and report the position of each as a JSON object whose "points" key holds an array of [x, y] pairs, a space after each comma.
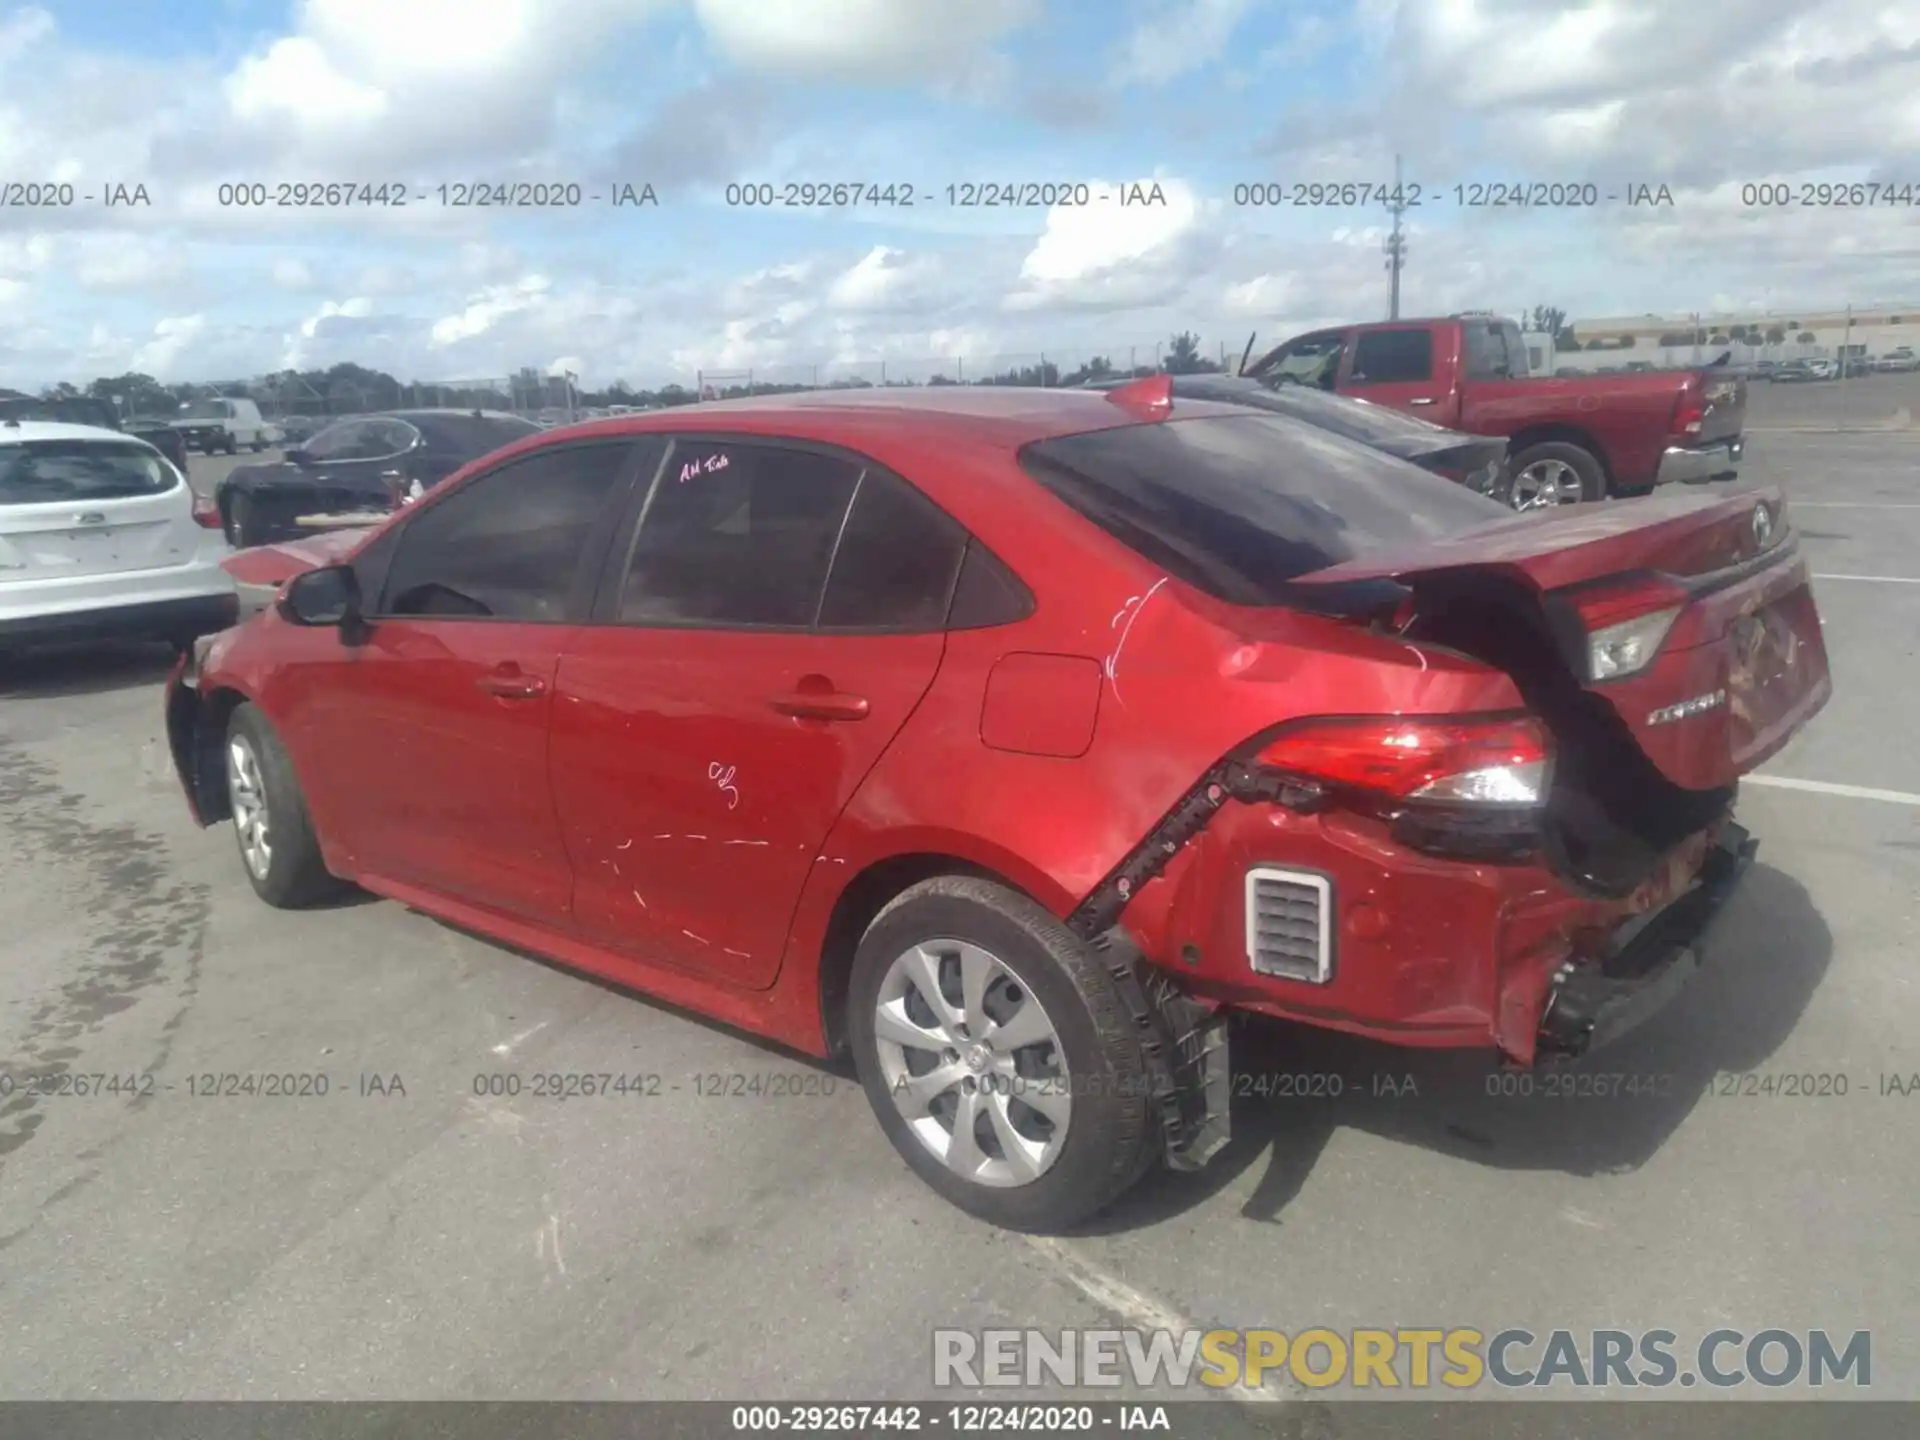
{"points": [[1384, 357], [1356, 419], [1239, 506], [205, 410], [390, 437], [737, 535], [45, 472], [509, 545], [898, 556], [470, 435], [337, 442]]}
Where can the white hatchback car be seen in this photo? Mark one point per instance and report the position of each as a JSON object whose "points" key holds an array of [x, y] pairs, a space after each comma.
{"points": [[102, 538]]}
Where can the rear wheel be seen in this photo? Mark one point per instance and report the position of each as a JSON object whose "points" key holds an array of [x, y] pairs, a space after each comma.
{"points": [[278, 848], [998, 1056], [258, 445], [1553, 473]]}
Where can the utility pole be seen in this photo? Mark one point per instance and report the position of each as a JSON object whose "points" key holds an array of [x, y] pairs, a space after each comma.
{"points": [[1396, 243]]}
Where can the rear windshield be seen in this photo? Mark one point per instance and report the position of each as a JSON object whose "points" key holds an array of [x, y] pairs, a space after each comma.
{"points": [[49, 472], [473, 435], [1356, 419], [1238, 506]]}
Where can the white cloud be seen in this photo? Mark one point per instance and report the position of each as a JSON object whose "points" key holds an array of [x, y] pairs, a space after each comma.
{"points": [[1109, 253], [1183, 38], [489, 308], [171, 336], [871, 40]]}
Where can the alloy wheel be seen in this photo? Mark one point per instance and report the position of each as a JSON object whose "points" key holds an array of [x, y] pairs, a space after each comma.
{"points": [[973, 1063], [247, 794], [1544, 483]]}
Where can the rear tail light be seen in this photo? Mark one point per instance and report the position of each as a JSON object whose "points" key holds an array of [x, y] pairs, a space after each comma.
{"points": [[205, 512], [1626, 624], [1689, 413], [1492, 761]]}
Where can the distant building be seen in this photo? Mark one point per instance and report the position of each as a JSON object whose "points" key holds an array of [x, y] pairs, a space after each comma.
{"points": [[1660, 340]]}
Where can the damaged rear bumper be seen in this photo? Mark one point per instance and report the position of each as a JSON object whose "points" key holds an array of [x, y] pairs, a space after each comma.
{"points": [[1649, 963]]}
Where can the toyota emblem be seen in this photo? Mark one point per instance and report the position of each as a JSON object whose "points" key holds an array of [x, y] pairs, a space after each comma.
{"points": [[1762, 526]]}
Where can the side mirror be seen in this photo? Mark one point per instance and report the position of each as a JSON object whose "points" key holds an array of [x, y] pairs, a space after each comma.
{"points": [[329, 596], [298, 456]]}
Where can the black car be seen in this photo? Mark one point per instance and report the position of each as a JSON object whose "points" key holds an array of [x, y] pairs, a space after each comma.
{"points": [[362, 464], [85, 410], [1476, 461]]}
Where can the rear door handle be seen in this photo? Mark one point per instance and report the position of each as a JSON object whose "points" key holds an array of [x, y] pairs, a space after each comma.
{"points": [[821, 705], [513, 685], [1422, 401]]}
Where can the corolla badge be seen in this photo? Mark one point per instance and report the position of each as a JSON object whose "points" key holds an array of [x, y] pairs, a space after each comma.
{"points": [[1762, 526]]}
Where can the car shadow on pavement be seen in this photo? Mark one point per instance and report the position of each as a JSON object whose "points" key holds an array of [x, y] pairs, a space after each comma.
{"points": [[56, 671], [1609, 1112]]}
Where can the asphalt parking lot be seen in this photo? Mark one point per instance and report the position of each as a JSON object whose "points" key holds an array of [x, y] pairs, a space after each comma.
{"points": [[414, 1239]]}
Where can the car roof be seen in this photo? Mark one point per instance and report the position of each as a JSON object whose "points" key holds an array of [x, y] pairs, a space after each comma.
{"points": [[19, 432], [896, 420]]}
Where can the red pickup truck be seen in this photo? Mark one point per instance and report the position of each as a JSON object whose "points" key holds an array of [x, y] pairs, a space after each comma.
{"points": [[1571, 438]]}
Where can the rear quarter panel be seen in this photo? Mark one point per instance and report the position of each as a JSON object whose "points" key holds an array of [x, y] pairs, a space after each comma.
{"points": [[1626, 417], [1186, 680]]}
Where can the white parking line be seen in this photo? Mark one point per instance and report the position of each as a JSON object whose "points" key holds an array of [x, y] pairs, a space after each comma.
{"points": [[1827, 787], [1135, 1307], [1872, 579]]}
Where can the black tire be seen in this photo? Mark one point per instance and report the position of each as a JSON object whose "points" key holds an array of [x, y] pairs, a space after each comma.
{"points": [[244, 525], [295, 875], [258, 445], [1112, 1136], [1552, 454]]}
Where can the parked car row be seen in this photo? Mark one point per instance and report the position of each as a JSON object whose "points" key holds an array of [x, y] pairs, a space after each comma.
{"points": [[1010, 741]]}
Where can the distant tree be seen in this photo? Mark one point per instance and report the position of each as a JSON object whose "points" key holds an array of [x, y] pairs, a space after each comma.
{"points": [[1673, 338], [1776, 336], [1183, 358], [1718, 339], [1805, 337]]}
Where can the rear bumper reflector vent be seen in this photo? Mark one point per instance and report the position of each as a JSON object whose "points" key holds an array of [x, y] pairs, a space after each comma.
{"points": [[1290, 924]]}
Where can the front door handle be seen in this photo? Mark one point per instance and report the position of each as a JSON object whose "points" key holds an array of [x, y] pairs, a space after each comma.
{"points": [[816, 699], [513, 685], [1423, 400]]}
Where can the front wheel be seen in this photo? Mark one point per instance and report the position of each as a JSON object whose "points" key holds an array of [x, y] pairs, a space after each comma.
{"points": [[278, 848], [1552, 473], [998, 1056]]}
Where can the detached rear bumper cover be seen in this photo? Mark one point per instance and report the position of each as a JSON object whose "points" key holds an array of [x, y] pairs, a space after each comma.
{"points": [[1592, 1005], [1686, 465]]}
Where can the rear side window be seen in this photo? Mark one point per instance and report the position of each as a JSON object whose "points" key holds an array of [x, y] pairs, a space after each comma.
{"points": [[1386, 357], [737, 535], [1238, 506], [510, 545], [898, 556], [52, 472]]}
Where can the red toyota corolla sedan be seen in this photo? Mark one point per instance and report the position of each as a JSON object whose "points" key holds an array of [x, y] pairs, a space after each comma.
{"points": [[1011, 739]]}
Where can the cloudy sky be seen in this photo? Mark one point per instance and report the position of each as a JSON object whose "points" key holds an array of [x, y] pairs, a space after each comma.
{"points": [[694, 96]]}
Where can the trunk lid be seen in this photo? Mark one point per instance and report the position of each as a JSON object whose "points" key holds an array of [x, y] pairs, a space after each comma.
{"points": [[1691, 618], [78, 508]]}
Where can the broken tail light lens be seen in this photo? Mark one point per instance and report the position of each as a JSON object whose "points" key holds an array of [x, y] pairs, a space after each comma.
{"points": [[206, 514], [1489, 761], [1626, 624]]}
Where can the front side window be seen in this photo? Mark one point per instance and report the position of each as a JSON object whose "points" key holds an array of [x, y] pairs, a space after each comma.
{"points": [[1391, 357], [52, 472], [205, 410], [737, 534], [510, 545]]}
